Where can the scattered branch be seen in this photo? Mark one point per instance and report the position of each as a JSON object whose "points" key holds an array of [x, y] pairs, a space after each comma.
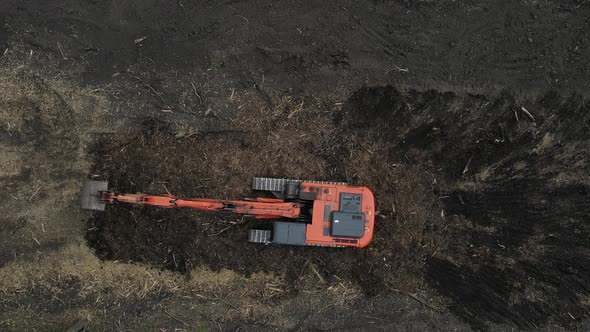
{"points": [[527, 113], [149, 87], [467, 166], [398, 69], [413, 296], [322, 280], [61, 51], [196, 94]]}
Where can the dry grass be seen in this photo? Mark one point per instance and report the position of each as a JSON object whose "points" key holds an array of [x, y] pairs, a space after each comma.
{"points": [[47, 265]]}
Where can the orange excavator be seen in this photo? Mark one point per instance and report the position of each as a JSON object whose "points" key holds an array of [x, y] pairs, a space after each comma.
{"points": [[311, 213]]}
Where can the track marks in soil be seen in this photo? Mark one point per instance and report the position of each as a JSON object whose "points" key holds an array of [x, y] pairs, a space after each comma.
{"points": [[520, 235], [525, 246]]}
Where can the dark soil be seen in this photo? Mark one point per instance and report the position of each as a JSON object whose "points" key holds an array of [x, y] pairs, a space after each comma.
{"points": [[425, 102], [221, 165], [456, 209]]}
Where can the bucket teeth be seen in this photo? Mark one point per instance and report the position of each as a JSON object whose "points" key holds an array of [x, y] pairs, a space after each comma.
{"points": [[90, 195]]}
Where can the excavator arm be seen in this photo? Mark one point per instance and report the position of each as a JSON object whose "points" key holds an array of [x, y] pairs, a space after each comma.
{"points": [[310, 213], [261, 208]]}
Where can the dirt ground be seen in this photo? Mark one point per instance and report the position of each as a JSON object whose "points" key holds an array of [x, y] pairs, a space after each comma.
{"points": [[469, 120]]}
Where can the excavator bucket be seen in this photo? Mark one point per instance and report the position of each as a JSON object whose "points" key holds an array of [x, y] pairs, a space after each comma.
{"points": [[90, 195]]}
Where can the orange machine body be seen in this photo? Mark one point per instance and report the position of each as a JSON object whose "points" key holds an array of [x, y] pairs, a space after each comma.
{"points": [[327, 202], [262, 208], [315, 215]]}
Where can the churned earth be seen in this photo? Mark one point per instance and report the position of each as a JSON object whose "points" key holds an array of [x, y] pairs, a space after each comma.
{"points": [[469, 121]]}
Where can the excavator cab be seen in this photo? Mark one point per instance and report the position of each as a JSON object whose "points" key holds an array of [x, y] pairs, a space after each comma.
{"points": [[341, 215]]}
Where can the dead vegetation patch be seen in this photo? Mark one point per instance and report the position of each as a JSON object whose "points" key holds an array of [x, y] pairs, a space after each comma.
{"points": [[440, 166]]}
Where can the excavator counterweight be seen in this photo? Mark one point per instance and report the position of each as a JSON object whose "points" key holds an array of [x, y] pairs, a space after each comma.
{"points": [[318, 213]]}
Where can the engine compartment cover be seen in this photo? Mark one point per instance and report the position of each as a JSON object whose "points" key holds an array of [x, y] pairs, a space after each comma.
{"points": [[347, 224], [288, 233]]}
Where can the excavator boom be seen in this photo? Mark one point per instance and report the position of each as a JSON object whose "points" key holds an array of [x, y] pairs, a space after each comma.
{"points": [[311, 213], [260, 208]]}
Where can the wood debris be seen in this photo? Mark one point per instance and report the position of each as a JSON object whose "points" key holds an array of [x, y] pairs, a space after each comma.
{"points": [[525, 111]]}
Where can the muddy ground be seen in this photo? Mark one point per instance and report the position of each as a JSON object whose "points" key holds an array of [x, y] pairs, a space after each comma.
{"points": [[470, 121]]}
